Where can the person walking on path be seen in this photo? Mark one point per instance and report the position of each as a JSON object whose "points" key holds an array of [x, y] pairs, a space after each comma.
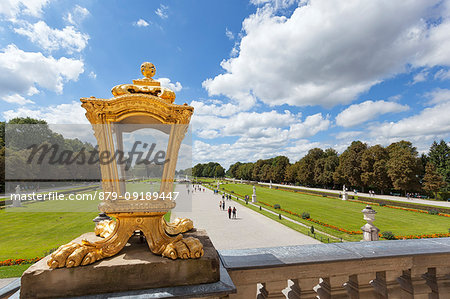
{"points": [[229, 212], [234, 212], [223, 205], [220, 205]]}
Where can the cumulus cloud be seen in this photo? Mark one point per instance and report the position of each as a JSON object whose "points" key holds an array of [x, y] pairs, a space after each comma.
{"points": [[165, 82], [276, 4], [420, 77], [51, 39], [71, 113], [348, 134], [22, 72], [438, 96], [162, 11], [216, 108], [16, 99], [329, 52], [229, 34], [77, 15], [13, 8], [269, 127], [442, 74], [141, 23], [368, 110], [430, 123]]}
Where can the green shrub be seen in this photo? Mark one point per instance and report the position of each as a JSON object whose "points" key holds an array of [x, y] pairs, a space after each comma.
{"points": [[382, 204], [276, 206], [305, 215], [433, 212], [443, 196], [388, 235]]}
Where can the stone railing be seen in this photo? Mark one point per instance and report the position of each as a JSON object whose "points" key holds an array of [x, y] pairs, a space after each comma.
{"points": [[380, 269]]}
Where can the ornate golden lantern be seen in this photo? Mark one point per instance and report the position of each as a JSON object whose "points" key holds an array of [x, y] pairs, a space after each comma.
{"points": [[143, 102]]}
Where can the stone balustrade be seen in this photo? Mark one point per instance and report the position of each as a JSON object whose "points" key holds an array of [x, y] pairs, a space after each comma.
{"points": [[381, 269]]}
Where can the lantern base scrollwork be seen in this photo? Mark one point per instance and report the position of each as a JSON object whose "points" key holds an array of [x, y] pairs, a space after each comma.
{"points": [[162, 238]]}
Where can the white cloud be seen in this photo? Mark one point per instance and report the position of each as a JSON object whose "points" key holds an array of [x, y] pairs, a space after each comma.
{"points": [[77, 15], [162, 11], [312, 125], [348, 134], [141, 23], [229, 34], [13, 8], [329, 52], [71, 113], [269, 127], [429, 123], [54, 39], [438, 96], [368, 110], [165, 82], [420, 77], [442, 74], [276, 4], [16, 99], [22, 72], [92, 75], [217, 109]]}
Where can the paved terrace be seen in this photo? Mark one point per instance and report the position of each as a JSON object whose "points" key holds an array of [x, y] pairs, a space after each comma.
{"points": [[249, 230]]}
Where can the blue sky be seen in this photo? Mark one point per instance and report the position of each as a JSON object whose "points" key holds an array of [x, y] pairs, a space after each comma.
{"points": [[266, 77]]}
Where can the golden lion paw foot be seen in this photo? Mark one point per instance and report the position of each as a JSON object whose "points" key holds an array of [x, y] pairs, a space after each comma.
{"points": [[184, 249], [73, 255], [178, 226], [105, 228]]}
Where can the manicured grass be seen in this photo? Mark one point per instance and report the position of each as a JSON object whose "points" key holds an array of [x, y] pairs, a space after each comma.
{"points": [[13, 271], [346, 214], [34, 232]]}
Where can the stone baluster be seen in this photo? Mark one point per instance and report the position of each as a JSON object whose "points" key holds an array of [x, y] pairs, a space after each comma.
{"points": [[406, 286], [352, 287], [379, 285], [443, 280], [294, 291], [323, 289], [431, 282], [272, 289]]}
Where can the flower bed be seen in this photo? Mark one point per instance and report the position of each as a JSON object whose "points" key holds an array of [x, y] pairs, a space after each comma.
{"points": [[12, 262], [425, 236], [398, 208]]}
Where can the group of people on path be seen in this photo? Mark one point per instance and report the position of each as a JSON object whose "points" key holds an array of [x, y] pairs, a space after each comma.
{"points": [[231, 211], [226, 197]]}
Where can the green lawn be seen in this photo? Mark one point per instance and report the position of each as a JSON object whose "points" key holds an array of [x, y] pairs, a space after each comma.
{"points": [[346, 214], [34, 231]]}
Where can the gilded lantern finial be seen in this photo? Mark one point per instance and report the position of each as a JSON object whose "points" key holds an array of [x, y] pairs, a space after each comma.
{"points": [[148, 69], [146, 85]]}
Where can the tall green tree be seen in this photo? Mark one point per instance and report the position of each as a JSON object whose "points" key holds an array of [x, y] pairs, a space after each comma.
{"points": [[307, 164], [232, 170], [325, 167], [404, 167], [374, 168], [349, 170], [432, 181], [290, 175], [439, 155], [279, 165]]}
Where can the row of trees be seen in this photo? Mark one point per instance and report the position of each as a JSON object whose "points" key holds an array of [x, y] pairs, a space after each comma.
{"points": [[21, 133], [208, 170], [395, 167]]}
